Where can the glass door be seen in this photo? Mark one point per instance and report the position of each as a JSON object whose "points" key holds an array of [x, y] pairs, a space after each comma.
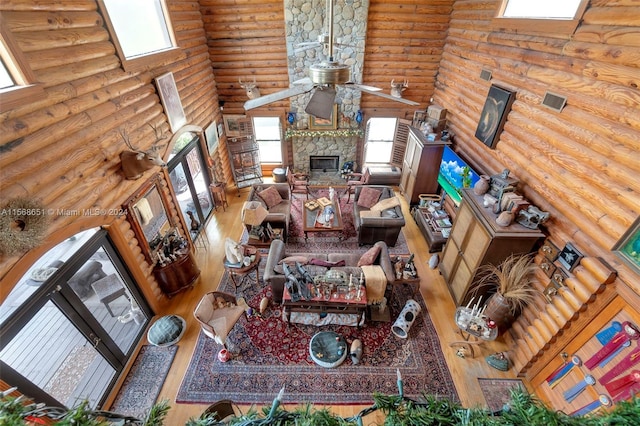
{"points": [[71, 337], [190, 182]]}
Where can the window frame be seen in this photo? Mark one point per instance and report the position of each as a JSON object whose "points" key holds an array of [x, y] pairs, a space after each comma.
{"points": [[257, 141], [26, 88], [148, 60], [368, 142], [537, 25]]}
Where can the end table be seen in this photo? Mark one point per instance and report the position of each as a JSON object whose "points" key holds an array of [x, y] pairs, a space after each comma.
{"points": [[219, 195], [243, 271]]}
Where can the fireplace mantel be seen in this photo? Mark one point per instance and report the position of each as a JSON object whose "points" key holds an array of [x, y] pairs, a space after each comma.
{"points": [[335, 133]]}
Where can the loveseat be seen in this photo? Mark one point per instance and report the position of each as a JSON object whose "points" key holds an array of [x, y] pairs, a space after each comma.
{"points": [[377, 218], [274, 276], [279, 207]]}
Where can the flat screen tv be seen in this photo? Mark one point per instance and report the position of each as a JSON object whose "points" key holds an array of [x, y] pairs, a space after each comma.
{"points": [[451, 176]]}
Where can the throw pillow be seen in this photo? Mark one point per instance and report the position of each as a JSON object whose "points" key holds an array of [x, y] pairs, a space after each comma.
{"points": [[320, 262], [369, 213], [368, 197], [387, 203], [369, 256], [291, 260], [270, 196]]}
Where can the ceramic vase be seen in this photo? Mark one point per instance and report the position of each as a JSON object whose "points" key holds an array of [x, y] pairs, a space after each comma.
{"points": [[482, 186], [499, 311], [224, 355]]}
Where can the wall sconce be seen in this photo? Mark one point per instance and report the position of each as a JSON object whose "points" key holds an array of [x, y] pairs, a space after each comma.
{"points": [[359, 116], [291, 117]]}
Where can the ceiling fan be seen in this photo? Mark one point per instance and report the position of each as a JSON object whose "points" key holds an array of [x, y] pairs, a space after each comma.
{"points": [[324, 77]]}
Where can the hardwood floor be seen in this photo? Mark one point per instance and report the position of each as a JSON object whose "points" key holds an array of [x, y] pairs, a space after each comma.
{"points": [[433, 288]]}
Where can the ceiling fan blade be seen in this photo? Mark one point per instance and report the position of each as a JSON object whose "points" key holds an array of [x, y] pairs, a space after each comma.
{"points": [[386, 96], [321, 103], [296, 89], [363, 87]]}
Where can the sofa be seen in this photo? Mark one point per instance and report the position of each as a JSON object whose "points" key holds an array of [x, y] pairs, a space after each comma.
{"points": [[279, 207], [377, 218], [274, 276]]}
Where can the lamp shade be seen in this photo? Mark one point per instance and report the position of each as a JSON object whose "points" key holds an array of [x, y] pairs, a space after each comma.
{"points": [[253, 213]]}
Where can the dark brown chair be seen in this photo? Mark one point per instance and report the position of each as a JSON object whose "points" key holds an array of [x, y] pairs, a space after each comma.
{"points": [[298, 182], [220, 410], [357, 179]]}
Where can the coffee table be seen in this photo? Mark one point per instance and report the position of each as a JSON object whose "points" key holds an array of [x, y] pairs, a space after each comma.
{"points": [[328, 349], [311, 224], [335, 304]]}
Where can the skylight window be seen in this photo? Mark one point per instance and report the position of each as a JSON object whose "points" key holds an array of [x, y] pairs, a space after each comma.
{"points": [[5, 77], [541, 9], [140, 29]]}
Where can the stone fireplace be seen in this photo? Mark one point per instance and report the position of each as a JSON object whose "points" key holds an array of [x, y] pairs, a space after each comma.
{"points": [[322, 147]]}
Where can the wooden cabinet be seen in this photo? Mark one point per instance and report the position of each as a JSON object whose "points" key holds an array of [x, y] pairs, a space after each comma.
{"points": [[476, 240], [177, 275], [420, 166]]}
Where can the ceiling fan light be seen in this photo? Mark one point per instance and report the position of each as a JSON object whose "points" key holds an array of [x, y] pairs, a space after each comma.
{"points": [[328, 72], [321, 103]]}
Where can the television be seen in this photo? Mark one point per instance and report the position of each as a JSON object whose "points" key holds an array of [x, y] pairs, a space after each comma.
{"points": [[451, 176]]}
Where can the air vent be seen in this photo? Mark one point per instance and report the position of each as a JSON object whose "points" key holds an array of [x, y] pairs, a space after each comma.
{"points": [[485, 75], [553, 101]]}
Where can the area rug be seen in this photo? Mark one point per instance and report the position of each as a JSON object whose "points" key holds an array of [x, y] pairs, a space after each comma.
{"points": [[70, 373], [145, 379], [269, 353], [497, 392], [322, 242]]}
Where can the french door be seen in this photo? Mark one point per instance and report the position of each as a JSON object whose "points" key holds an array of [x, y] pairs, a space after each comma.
{"points": [[190, 182], [70, 338]]}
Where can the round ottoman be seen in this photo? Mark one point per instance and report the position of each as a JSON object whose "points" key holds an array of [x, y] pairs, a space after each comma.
{"points": [[328, 349], [279, 175]]}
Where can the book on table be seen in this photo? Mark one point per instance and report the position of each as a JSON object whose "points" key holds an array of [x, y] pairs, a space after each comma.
{"points": [[324, 202]]}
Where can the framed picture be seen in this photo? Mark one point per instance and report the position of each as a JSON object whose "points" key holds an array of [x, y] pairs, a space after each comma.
{"points": [[494, 115], [569, 256], [232, 124], [211, 135], [220, 130], [170, 99], [419, 117], [628, 248], [316, 123]]}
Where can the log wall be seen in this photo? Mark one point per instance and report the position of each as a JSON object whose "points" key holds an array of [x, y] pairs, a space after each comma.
{"points": [[582, 164], [64, 148]]}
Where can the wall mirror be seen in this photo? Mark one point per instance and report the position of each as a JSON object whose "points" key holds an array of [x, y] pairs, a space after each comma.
{"points": [[147, 211]]}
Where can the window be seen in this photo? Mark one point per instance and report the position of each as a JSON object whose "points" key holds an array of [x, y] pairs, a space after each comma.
{"points": [[381, 133], [140, 29], [269, 139], [540, 16], [17, 81]]}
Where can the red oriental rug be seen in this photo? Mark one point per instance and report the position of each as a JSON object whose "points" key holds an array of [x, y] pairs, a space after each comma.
{"points": [[269, 354]]}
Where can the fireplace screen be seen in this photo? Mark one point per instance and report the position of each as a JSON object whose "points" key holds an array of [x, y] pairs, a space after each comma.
{"points": [[326, 163]]}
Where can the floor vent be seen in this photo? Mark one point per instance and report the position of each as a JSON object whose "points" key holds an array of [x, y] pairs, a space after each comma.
{"points": [[553, 101]]}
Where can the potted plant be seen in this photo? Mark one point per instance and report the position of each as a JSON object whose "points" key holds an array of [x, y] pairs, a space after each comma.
{"points": [[512, 283]]}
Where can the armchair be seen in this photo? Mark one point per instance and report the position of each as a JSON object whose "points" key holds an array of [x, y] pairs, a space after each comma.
{"points": [[357, 179], [384, 227], [279, 210], [217, 313]]}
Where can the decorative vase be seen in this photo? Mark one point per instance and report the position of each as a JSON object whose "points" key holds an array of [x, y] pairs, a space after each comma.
{"points": [[224, 355], [482, 186], [499, 311], [505, 219]]}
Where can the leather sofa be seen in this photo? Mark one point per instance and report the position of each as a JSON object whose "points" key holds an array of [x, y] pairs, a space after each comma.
{"points": [[274, 276], [386, 227], [279, 215]]}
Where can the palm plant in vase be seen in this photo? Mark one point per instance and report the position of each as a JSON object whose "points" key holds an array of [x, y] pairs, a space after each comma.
{"points": [[512, 281]]}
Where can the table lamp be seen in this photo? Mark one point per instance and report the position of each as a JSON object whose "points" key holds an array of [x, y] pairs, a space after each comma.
{"points": [[253, 213]]}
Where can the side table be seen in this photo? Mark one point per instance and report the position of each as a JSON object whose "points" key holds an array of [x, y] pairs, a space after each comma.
{"points": [[219, 195], [471, 325], [239, 274]]}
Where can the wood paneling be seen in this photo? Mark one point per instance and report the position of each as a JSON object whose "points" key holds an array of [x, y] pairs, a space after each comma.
{"points": [[581, 164], [64, 148]]}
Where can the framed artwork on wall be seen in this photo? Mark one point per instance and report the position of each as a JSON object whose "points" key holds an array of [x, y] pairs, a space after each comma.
{"points": [[211, 134], [628, 247], [170, 98], [494, 115], [232, 125], [316, 123]]}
